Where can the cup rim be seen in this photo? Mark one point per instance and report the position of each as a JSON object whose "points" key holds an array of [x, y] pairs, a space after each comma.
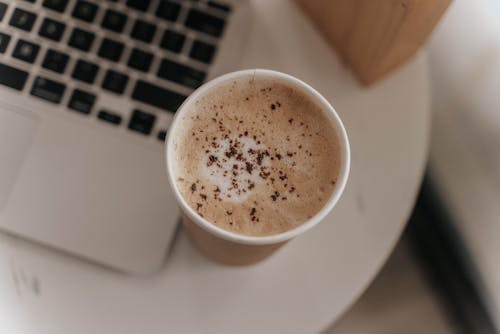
{"points": [[283, 236]]}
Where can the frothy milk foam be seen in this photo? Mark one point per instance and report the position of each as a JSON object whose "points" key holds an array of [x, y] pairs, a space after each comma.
{"points": [[256, 157]]}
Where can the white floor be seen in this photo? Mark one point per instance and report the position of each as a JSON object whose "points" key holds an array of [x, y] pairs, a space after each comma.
{"points": [[400, 300]]}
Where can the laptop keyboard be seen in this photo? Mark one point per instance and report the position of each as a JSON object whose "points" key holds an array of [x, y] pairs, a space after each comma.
{"points": [[73, 52]]}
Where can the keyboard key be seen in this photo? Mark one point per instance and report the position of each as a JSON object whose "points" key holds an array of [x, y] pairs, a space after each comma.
{"points": [[12, 77], [84, 11], [181, 74], [219, 5], [52, 29], [157, 96], [3, 9], [141, 122], [55, 61], [141, 5], [85, 71], [162, 134], [57, 5], [25, 51], [114, 21], [202, 51], [110, 49], [48, 90], [143, 31], [81, 101], [168, 10], [115, 82], [109, 117], [4, 42], [172, 41], [81, 39], [22, 19], [205, 23], [140, 60]]}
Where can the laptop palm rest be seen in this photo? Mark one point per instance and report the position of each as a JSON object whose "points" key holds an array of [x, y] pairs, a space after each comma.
{"points": [[16, 136], [90, 194]]}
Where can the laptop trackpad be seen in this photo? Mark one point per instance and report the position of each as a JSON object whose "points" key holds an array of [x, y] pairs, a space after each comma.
{"points": [[16, 135]]}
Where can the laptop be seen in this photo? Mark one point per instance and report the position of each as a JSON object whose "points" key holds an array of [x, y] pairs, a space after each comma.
{"points": [[87, 91]]}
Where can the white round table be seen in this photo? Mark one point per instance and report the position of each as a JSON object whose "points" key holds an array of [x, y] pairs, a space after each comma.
{"points": [[308, 283]]}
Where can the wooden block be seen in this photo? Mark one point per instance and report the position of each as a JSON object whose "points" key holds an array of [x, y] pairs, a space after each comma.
{"points": [[375, 36]]}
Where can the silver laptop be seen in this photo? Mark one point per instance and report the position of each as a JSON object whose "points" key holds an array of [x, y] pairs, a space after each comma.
{"points": [[87, 91]]}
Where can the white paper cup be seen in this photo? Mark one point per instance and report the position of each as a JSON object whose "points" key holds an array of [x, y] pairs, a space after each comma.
{"points": [[233, 248]]}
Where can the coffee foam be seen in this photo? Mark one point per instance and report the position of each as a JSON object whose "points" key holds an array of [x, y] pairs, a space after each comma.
{"points": [[256, 157], [232, 166]]}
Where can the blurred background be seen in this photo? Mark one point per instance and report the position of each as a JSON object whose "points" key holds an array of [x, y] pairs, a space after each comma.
{"points": [[444, 275]]}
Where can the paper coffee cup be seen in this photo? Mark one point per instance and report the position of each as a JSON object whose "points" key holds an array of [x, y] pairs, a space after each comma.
{"points": [[233, 248]]}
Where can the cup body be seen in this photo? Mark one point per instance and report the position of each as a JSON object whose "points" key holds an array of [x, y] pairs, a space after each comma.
{"points": [[236, 249]]}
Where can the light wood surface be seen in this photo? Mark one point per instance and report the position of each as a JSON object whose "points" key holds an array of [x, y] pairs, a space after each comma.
{"points": [[374, 37]]}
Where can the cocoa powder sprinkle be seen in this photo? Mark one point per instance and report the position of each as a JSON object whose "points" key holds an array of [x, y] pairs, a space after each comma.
{"points": [[260, 157], [212, 159], [249, 167]]}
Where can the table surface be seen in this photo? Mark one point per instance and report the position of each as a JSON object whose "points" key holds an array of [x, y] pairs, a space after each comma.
{"points": [[308, 283]]}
